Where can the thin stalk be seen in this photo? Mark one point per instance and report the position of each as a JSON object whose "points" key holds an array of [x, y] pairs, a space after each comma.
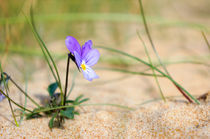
{"points": [[7, 89], [21, 90], [67, 76], [144, 62], [206, 40], [48, 53], [10, 105], [153, 71], [43, 52], [130, 72], [26, 90], [15, 102], [96, 104], [154, 49]]}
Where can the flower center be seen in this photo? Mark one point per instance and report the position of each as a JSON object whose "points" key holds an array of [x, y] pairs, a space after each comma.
{"points": [[83, 66]]}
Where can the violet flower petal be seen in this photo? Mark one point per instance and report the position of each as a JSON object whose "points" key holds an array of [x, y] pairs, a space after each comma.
{"points": [[77, 58], [73, 45], [1, 96], [89, 74], [92, 57], [86, 48]]}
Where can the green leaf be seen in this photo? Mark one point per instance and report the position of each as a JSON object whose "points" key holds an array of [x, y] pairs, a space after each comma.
{"points": [[76, 113], [84, 100], [78, 98], [33, 115], [70, 101], [52, 87], [51, 122], [68, 113]]}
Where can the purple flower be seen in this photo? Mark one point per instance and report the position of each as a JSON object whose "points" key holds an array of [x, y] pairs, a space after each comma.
{"points": [[85, 56], [1, 96]]}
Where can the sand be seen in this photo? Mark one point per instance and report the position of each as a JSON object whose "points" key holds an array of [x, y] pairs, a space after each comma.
{"points": [[155, 120]]}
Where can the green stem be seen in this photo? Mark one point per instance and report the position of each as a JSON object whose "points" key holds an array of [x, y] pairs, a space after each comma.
{"points": [[206, 40], [67, 75], [142, 61], [156, 53], [48, 53], [130, 72], [97, 104], [150, 61], [15, 102], [7, 89], [21, 90]]}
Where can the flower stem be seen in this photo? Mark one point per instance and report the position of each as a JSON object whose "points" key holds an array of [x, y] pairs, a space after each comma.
{"points": [[22, 90], [67, 75]]}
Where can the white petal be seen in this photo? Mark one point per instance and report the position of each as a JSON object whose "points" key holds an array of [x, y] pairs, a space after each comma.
{"points": [[89, 73]]}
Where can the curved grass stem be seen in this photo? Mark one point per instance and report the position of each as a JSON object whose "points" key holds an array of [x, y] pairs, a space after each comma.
{"points": [[155, 68], [96, 104], [46, 54], [150, 61], [156, 53], [22, 91], [18, 105]]}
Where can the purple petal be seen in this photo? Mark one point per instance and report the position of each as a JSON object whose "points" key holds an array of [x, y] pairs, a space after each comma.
{"points": [[89, 74], [77, 58], [1, 96], [92, 57], [86, 48], [73, 45]]}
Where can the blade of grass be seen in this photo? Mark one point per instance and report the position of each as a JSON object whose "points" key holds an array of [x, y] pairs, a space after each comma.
{"points": [[48, 53], [107, 17], [22, 91], [155, 68], [206, 40], [25, 103], [43, 52], [156, 53], [153, 71], [7, 90], [96, 104], [130, 72], [25, 51], [18, 105]]}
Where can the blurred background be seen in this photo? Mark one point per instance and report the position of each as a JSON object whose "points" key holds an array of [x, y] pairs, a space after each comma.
{"points": [[175, 27]]}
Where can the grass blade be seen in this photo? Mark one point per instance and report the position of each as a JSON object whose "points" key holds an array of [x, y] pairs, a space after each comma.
{"points": [[154, 49], [129, 72], [155, 68], [7, 89], [206, 40], [150, 61], [47, 54]]}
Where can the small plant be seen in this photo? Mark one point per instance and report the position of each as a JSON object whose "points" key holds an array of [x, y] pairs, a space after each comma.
{"points": [[59, 107], [84, 57]]}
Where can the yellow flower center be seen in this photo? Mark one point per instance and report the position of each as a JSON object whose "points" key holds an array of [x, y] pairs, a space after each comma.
{"points": [[83, 66]]}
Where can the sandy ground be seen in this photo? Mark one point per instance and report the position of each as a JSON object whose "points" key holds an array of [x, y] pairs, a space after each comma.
{"points": [[175, 118]]}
